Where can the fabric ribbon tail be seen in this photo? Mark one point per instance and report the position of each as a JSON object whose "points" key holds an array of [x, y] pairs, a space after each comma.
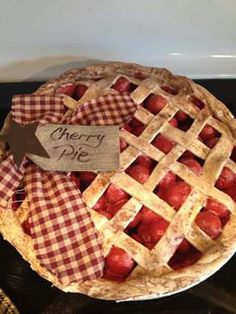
{"points": [[64, 236], [10, 179]]}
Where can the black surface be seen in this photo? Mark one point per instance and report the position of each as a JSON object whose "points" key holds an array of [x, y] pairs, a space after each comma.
{"points": [[33, 295]]}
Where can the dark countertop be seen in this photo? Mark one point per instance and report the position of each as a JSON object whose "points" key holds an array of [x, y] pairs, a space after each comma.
{"points": [[34, 295]]}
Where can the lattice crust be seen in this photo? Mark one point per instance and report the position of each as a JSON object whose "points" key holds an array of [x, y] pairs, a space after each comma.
{"points": [[152, 277]]}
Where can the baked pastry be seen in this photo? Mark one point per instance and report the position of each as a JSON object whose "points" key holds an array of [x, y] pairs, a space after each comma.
{"points": [[167, 216]]}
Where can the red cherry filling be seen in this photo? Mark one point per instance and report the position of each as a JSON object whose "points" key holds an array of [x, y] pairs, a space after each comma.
{"points": [[123, 145], [139, 173], [134, 222], [147, 216], [111, 201], [174, 122], [169, 89], [168, 179], [115, 207], [176, 194], [185, 255], [226, 179], [138, 130], [181, 116], [145, 161], [122, 85], [80, 91], [216, 208], [26, 227], [151, 233], [118, 264], [86, 178], [135, 126], [188, 154], [184, 246], [209, 223], [155, 103], [207, 133], [184, 121], [101, 204], [197, 102], [232, 192], [193, 165], [75, 179], [67, 89], [134, 123], [114, 194], [163, 143], [233, 155], [212, 142]]}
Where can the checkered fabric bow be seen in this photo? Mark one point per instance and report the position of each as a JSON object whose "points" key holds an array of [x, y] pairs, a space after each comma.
{"points": [[63, 234]]}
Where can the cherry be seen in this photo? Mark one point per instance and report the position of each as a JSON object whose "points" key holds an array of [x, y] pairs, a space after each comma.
{"points": [[26, 227], [122, 84], [113, 276], [212, 142], [143, 232], [207, 132], [123, 145], [148, 216], [80, 90], [128, 128], [209, 223], [174, 122], [197, 102], [137, 237], [139, 173], [169, 89], [181, 116], [115, 207], [176, 194], [184, 246], [138, 130], [144, 160], [134, 123], [87, 176], [101, 204], [169, 178], [163, 143], [115, 194], [226, 179], [157, 229], [155, 103], [216, 208], [67, 89], [183, 259], [188, 154], [105, 213], [118, 261], [193, 165], [152, 232], [233, 155], [135, 221], [232, 192]]}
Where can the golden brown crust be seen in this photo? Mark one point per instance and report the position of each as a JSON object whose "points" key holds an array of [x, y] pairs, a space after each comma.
{"points": [[152, 278]]}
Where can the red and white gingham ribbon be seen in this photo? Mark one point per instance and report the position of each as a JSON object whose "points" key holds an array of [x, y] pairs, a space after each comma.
{"points": [[64, 237]]}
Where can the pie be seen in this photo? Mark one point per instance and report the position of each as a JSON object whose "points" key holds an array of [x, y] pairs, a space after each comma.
{"points": [[167, 216]]}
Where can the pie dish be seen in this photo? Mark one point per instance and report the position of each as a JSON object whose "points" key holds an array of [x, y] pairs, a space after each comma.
{"points": [[167, 216]]}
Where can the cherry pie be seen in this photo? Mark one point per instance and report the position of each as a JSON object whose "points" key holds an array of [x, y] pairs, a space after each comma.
{"points": [[167, 217]]}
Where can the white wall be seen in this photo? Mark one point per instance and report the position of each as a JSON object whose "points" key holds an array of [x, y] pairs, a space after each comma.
{"points": [[40, 39]]}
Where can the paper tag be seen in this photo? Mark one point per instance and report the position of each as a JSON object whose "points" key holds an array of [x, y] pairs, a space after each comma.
{"points": [[75, 148]]}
